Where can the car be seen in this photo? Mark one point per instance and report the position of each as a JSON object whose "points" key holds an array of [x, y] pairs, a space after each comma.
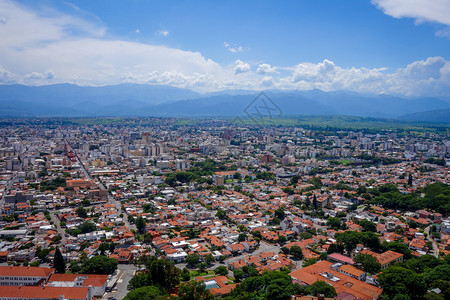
{"points": [[112, 298]]}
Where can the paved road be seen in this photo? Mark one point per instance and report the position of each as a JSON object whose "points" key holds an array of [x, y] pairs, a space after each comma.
{"points": [[263, 247], [60, 230], [125, 273], [111, 199], [435, 245]]}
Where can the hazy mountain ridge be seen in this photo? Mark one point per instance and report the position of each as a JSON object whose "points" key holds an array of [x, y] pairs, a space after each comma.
{"points": [[152, 100]]}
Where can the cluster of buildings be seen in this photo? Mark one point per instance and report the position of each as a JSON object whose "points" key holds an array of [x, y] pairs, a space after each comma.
{"points": [[76, 187]]}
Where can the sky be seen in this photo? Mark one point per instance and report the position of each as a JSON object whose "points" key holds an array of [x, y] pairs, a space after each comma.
{"points": [[397, 47]]}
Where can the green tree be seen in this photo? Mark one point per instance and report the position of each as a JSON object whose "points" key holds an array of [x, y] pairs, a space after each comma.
{"points": [[296, 252], [185, 275], [141, 224], [321, 287], [87, 227], [281, 239], [368, 262], [334, 223], [410, 179], [209, 259], [59, 263], [238, 275], [242, 237], [221, 270], [146, 293], [194, 290], [280, 214], [397, 280], [202, 267], [221, 214], [315, 201], [99, 265], [159, 272], [192, 259], [368, 225], [81, 212]]}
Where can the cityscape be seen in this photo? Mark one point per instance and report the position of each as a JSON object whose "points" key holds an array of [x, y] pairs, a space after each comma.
{"points": [[255, 150]]}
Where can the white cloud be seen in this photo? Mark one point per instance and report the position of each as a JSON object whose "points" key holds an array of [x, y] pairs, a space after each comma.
{"points": [[163, 32], [232, 49], [422, 10], [266, 69], [241, 67], [52, 47], [6, 76]]}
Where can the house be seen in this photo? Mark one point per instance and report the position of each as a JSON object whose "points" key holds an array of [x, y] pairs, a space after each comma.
{"points": [[96, 281], [343, 284], [386, 258], [44, 292], [16, 276]]}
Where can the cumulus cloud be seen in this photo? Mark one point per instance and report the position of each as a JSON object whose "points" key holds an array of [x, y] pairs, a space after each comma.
{"points": [[53, 47], [241, 67], [266, 69], [422, 10], [232, 49], [163, 32], [6, 76]]}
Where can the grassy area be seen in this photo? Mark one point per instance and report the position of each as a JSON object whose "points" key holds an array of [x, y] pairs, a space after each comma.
{"points": [[196, 273], [343, 122], [344, 162]]}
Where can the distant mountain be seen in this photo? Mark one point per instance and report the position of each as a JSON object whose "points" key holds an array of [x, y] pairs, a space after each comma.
{"points": [[154, 100], [73, 100], [431, 116]]}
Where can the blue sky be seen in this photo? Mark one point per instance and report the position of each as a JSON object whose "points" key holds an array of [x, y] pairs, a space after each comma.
{"points": [[379, 46]]}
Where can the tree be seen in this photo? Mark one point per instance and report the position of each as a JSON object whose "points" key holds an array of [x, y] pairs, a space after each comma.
{"points": [[280, 214], [281, 239], [81, 212], [88, 226], [160, 272], [99, 265], [209, 259], [194, 290], [145, 293], [192, 259], [185, 275], [221, 214], [410, 179], [141, 224], [238, 275], [336, 248], [307, 202], [242, 237], [315, 201], [368, 225], [221, 270], [334, 223], [296, 252], [321, 287], [202, 267], [368, 262], [59, 263], [397, 280]]}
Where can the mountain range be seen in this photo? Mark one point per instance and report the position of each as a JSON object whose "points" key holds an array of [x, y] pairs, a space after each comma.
{"points": [[67, 100]]}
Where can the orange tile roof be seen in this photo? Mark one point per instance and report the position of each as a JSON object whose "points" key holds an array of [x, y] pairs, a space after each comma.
{"points": [[25, 271], [44, 292], [345, 284]]}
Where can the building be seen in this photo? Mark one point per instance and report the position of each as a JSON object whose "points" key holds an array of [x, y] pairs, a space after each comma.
{"points": [[345, 285], [386, 258], [96, 281], [44, 293], [24, 276]]}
